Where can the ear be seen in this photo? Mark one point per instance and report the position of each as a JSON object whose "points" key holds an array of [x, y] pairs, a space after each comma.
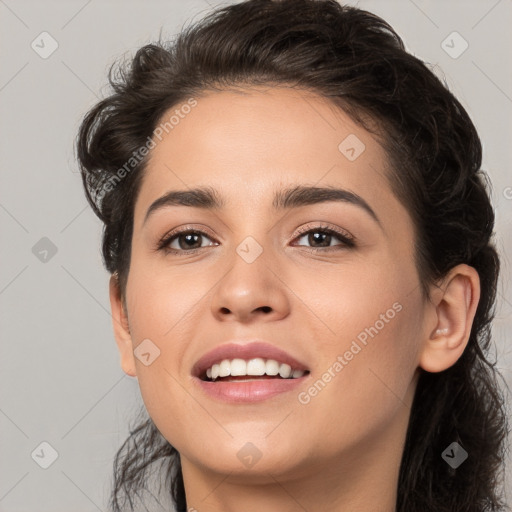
{"points": [[121, 328], [455, 303]]}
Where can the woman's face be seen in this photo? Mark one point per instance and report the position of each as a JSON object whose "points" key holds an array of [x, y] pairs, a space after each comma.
{"points": [[350, 313]]}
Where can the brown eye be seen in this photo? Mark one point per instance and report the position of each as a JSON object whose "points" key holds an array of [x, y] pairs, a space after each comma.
{"points": [[322, 237], [185, 241]]}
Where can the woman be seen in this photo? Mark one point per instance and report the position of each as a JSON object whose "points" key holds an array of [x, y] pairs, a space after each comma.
{"points": [[303, 275]]}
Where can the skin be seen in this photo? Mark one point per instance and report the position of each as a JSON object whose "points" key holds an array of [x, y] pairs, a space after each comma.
{"points": [[342, 449]]}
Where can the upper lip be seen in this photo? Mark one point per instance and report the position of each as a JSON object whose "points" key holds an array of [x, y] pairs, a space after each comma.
{"points": [[252, 350]]}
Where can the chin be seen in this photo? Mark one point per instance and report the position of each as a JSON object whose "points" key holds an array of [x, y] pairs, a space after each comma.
{"points": [[242, 459]]}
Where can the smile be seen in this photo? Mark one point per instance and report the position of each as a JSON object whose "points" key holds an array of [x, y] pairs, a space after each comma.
{"points": [[232, 370], [247, 373]]}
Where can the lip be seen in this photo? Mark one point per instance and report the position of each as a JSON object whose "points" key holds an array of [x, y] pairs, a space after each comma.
{"points": [[245, 351], [249, 391]]}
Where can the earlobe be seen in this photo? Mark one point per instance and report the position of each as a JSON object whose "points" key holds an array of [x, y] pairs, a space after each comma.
{"points": [[121, 328], [455, 307]]}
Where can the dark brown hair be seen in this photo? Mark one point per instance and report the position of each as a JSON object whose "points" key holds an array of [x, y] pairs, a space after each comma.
{"points": [[357, 61]]}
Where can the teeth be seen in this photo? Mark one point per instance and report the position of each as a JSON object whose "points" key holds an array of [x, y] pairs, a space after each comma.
{"points": [[255, 367], [285, 370], [225, 368], [272, 367], [238, 368]]}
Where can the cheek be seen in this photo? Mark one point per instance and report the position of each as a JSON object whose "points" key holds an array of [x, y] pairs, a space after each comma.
{"points": [[367, 361], [167, 307], [166, 303], [361, 392], [357, 299]]}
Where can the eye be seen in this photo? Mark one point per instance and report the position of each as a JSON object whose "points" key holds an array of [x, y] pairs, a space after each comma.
{"points": [[320, 237], [187, 241]]}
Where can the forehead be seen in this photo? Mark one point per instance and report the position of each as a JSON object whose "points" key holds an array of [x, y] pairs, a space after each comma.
{"points": [[248, 143]]}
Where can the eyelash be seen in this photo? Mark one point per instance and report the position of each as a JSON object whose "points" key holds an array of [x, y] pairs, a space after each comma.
{"points": [[346, 239]]}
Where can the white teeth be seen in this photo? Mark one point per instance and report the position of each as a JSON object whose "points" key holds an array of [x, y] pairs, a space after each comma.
{"points": [[238, 368], [253, 367], [256, 367], [285, 370], [225, 368], [272, 367]]}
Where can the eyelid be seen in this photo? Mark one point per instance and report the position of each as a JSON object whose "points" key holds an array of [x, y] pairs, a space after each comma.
{"points": [[344, 236], [189, 227], [347, 240], [324, 226], [165, 240]]}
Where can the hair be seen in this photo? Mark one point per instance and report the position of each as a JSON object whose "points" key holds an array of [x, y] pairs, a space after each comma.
{"points": [[357, 61]]}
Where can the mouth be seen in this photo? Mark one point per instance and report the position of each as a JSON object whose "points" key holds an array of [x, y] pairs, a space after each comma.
{"points": [[240, 370], [248, 373]]}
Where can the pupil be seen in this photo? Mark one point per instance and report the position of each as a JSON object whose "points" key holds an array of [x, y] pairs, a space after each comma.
{"points": [[188, 238], [315, 237]]}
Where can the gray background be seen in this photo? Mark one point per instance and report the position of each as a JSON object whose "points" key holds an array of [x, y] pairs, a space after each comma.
{"points": [[60, 375]]}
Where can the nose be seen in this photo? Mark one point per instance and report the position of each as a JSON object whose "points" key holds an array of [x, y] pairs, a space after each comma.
{"points": [[251, 291]]}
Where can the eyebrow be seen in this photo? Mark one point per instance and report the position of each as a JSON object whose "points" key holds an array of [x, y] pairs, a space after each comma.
{"points": [[294, 197]]}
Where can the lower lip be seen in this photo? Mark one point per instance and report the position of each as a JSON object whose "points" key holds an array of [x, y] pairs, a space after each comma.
{"points": [[249, 391]]}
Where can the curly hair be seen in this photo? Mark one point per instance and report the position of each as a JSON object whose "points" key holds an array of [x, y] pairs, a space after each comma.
{"points": [[358, 62]]}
